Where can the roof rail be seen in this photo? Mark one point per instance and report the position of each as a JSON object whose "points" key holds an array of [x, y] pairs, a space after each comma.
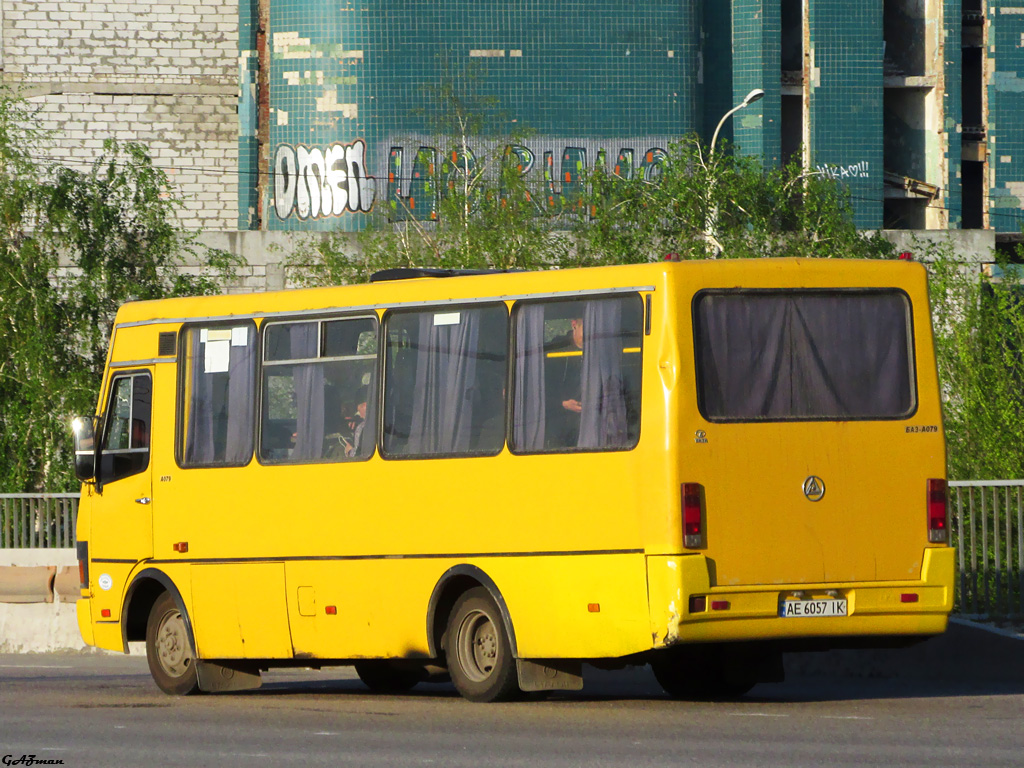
{"points": [[409, 273]]}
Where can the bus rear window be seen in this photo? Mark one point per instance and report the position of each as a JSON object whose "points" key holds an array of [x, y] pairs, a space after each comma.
{"points": [[803, 355]]}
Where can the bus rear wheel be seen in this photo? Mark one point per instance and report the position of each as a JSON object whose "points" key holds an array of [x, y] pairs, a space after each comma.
{"points": [[703, 672], [385, 676], [479, 653], [169, 649]]}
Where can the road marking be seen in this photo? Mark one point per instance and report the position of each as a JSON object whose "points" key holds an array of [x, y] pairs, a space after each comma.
{"points": [[845, 717], [754, 714], [33, 666]]}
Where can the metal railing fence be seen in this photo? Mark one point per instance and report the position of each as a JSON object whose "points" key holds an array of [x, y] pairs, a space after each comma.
{"points": [[986, 522], [38, 520], [987, 527]]}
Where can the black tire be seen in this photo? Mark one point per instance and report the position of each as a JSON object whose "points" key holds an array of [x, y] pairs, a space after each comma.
{"points": [[169, 649], [478, 650], [385, 676], [703, 672]]}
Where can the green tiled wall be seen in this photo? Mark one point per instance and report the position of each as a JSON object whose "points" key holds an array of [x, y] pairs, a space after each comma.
{"points": [[756, 35], [248, 115], [716, 55], [953, 106], [846, 100], [1006, 117], [351, 83], [354, 94]]}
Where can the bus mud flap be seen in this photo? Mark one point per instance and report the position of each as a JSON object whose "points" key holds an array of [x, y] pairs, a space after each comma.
{"points": [[215, 678], [550, 675]]}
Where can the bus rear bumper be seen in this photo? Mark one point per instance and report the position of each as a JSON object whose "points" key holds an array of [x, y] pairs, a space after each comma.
{"points": [[702, 614]]}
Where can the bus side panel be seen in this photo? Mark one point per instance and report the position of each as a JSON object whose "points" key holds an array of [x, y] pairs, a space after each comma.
{"points": [[351, 609], [588, 606], [239, 611], [561, 607]]}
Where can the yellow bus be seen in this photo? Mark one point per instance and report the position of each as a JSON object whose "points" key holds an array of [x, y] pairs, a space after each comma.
{"points": [[499, 477]]}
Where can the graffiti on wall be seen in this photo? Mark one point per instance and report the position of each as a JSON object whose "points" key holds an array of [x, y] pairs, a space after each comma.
{"points": [[413, 188], [836, 172], [320, 182], [314, 183]]}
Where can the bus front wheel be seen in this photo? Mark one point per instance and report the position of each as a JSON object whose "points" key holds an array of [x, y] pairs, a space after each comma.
{"points": [[479, 653], [169, 649]]}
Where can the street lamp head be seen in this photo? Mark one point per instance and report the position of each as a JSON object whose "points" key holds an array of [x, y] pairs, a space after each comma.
{"points": [[754, 95]]}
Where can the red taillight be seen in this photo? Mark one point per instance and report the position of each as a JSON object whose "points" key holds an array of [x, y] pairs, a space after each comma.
{"points": [[698, 603], [82, 581], [693, 523], [937, 528]]}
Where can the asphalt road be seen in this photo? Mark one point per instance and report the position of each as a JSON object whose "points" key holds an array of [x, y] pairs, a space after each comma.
{"points": [[104, 711]]}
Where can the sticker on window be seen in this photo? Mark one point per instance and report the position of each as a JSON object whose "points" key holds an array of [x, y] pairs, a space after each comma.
{"points": [[217, 355], [447, 318]]}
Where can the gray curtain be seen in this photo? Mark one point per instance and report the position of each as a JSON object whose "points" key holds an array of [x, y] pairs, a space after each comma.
{"points": [[199, 448], [603, 422], [442, 409], [218, 406], [803, 356], [308, 380], [529, 396], [241, 404]]}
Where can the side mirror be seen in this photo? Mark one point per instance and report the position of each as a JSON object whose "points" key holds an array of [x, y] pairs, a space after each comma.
{"points": [[84, 429]]}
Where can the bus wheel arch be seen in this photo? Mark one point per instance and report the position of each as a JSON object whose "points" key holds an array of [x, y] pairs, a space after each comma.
{"points": [[145, 589], [455, 582]]}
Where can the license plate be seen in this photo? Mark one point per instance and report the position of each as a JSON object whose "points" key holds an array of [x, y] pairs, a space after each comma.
{"points": [[802, 609]]}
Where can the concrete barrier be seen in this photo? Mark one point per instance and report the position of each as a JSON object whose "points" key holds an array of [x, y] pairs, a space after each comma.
{"points": [[27, 584], [42, 626]]}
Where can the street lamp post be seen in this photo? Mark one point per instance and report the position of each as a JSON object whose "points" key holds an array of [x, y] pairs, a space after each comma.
{"points": [[710, 226]]}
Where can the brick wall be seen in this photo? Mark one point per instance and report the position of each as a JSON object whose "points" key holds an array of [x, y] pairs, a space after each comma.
{"points": [[164, 74]]}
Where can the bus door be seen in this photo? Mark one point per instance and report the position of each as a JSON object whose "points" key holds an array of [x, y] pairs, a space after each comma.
{"points": [[122, 519]]}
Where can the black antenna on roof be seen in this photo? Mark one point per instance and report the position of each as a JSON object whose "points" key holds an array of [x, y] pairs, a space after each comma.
{"points": [[408, 273]]}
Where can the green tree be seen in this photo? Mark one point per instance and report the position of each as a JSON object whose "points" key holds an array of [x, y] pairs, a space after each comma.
{"points": [[979, 334], [73, 247], [697, 205]]}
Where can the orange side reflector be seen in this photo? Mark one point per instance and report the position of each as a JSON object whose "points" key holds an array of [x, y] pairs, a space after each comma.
{"points": [[594, 607], [105, 613], [331, 610]]}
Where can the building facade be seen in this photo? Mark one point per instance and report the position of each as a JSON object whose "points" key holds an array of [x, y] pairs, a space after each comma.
{"points": [[161, 73], [299, 115]]}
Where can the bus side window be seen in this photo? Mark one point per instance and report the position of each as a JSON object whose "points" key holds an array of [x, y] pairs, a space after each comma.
{"points": [[219, 395], [125, 447], [444, 381], [318, 390], [576, 380]]}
